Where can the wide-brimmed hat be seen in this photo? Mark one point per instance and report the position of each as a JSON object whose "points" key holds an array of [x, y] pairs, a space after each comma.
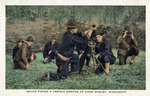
{"points": [[72, 24], [53, 37], [30, 39], [100, 32], [20, 40], [126, 28]]}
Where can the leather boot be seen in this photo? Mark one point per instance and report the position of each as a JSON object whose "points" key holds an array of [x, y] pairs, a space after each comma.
{"points": [[132, 60]]}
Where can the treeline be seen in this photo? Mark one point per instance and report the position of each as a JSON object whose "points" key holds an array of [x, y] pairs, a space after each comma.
{"points": [[102, 14], [44, 20]]}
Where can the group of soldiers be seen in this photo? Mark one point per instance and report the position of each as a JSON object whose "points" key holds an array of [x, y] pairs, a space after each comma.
{"points": [[64, 53]]}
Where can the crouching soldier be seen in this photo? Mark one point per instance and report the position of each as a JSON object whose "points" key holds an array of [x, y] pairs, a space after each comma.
{"points": [[17, 47], [103, 53], [65, 51], [127, 46], [49, 50], [24, 55]]}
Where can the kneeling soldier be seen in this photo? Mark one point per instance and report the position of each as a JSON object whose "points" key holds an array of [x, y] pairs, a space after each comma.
{"points": [[49, 50], [17, 47], [127, 46], [65, 51], [104, 53], [24, 55]]}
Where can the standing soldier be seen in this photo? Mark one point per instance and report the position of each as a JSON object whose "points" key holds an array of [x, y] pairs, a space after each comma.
{"points": [[103, 52], [24, 55], [127, 46], [65, 52], [49, 50]]}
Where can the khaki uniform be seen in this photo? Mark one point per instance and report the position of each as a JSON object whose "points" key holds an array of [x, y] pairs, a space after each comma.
{"points": [[127, 47], [22, 57]]}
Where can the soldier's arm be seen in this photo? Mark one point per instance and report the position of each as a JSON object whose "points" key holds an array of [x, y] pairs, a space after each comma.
{"points": [[119, 39], [24, 54], [80, 40], [63, 57], [135, 42], [90, 32]]}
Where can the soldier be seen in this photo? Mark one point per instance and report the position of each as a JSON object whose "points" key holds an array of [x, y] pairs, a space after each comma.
{"points": [[65, 52], [127, 46], [24, 55], [49, 50], [103, 52], [80, 51], [16, 48]]}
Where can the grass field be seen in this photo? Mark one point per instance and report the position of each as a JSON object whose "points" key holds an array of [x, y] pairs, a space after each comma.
{"points": [[126, 77]]}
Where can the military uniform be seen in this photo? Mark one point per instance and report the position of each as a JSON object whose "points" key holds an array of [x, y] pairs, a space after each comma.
{"points": [[65, 53], [22, 57], [49, 47], [105, 54], [127, 47], [15, 49], [69, 41]]}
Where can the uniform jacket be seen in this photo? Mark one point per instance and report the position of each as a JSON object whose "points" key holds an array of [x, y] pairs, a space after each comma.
{"points": [[125, 44], [15, 49], [79, 48], [49, 47], [23, 54], [103, 48], [69, 41]]}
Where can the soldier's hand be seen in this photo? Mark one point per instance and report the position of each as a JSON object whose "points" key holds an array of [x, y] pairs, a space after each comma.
{"points": [[32, 58], [90, 32], [128, 49], [49, 52], [80, 56], [119, 37], [27, 67], [93, 28], [45, 59], [63, 57], [125, 34], [132, 35], [86, 32], [96, 56]]}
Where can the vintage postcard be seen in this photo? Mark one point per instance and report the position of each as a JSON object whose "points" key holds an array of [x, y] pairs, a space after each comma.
{"points": [[74, 47]]}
